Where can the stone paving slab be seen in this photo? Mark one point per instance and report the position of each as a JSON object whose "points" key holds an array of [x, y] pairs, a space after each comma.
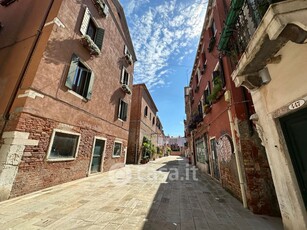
{"points": [[159, 195]]}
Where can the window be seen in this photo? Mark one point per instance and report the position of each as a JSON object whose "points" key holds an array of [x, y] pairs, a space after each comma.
{"points": [[122, 110], [128, 56], [149, 116], [218, 74], [146, 111], [117, 149], [90, 28], [64, 145], [198, 75], [213, 29], [125, 77], [80, 79], [202, 150], [200, 108], [207, 92], [153, 120], [6, 2]]}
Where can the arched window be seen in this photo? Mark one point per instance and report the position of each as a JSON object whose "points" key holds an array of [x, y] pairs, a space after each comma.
{"points": [[146, 111], [153, 120]]}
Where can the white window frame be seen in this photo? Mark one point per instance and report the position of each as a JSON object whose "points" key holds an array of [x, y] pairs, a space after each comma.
{"points": [[121, 148], [123, 75], [199, 75], [103, 154], [213, 27], [51, 143]]}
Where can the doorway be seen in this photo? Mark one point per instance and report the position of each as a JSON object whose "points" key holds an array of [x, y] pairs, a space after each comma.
{"points": [[294, 127], [215, 161], [98, 152]]}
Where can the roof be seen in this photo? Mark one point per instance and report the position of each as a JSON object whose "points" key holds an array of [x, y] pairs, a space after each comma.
{"points": [[147, 92]]}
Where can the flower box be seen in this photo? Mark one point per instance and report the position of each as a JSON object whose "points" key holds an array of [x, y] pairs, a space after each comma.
{"points": [[90, 45], [126, 89]]}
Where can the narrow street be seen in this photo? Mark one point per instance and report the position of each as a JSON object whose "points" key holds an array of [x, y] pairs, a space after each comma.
{"points": [[151, 196]]}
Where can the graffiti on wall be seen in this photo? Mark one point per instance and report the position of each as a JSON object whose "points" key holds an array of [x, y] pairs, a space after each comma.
{"points": [[224, 148]]}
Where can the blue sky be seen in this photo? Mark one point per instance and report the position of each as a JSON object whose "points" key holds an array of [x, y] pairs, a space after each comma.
{"points": [[165, 35]]}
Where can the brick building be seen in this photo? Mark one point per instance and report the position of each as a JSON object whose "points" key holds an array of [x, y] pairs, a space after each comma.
{"points": [[66, 68], [144, 123], [269, 51], [220, 136]]}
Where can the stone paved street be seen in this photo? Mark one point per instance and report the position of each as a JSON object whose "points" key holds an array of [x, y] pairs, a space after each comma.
{"points": [[150, 196]]}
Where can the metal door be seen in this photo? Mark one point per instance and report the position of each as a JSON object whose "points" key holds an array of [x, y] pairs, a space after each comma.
{"points": [[215, 161], [97, 155], [294, 127]]}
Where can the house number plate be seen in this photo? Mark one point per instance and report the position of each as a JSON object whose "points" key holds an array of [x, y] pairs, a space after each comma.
{"points": [[297, 104]]}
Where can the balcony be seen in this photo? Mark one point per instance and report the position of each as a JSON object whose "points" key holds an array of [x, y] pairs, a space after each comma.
{"points": [[254, 33]]}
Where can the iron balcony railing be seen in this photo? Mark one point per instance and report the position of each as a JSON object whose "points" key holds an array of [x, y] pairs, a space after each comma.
{"points": [[242, 20]]}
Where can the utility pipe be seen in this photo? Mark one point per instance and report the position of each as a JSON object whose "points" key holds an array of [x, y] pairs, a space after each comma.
{"points": [[235, 147]]}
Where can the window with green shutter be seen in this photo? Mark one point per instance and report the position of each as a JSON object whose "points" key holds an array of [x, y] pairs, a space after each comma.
{"points": [[122, 110], [90, 29], [80, 79], [124, 77]]}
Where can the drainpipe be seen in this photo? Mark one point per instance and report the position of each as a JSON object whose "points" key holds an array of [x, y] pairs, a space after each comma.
{"points": [[235, 147], [8, 108]]}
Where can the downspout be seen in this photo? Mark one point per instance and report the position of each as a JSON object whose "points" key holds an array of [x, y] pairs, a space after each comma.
{"points": [[8, 108], [228, 99]]}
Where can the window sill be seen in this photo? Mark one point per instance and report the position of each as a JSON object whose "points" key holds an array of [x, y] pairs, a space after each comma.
{"points": [[116, 156], [120, 120], [77, 95], [60, 159]]}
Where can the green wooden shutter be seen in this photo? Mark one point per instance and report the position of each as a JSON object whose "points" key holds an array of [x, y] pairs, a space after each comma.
{"points": [[85, 21], [72, 71], [125, 111], [90, 86], [99, 37]]}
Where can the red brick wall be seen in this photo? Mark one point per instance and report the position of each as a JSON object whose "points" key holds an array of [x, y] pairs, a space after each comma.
{"points": [[261, 194], [36, 172]]}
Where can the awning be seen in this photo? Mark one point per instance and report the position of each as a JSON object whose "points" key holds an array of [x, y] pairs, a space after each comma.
{"points": [[232, 17]]}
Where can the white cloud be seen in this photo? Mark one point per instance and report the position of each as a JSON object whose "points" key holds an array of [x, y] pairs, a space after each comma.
{"points": [[161, 34]]}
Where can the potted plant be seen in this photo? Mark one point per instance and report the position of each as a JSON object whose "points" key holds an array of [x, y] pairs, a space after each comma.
{"points": [[216, 91]]}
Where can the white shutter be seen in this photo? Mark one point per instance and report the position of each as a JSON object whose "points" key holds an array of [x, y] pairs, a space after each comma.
{"points": [[122, 76], [198, 74], [85, 21], [126, 50]]}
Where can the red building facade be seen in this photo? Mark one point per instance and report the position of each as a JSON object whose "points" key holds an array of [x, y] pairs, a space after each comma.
{"points": [[65, 101], [222, 140]]}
